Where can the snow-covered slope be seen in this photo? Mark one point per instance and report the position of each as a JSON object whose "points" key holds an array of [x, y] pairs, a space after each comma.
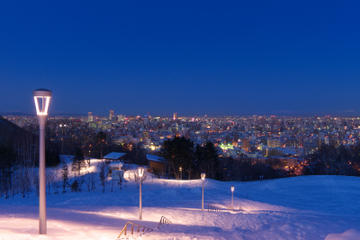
{"points": [[311, 207]]}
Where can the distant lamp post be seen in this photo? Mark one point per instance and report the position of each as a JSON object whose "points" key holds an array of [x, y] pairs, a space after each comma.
{"points": [[180, 170], [42, 99], [232, 188], [141, 172], [203, 176]]}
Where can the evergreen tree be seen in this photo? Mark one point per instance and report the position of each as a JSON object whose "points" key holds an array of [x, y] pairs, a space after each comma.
{"points": [[64, 177], [78, 161], [179, 152], [207, 160]]}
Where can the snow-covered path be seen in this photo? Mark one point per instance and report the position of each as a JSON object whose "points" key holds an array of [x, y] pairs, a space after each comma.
{"points": [[311, 207]]}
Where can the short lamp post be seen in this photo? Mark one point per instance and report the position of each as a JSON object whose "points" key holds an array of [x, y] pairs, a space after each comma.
{"points": [[180, 170], [203, 176], [42, 99], [232, 189], [141, 177]]}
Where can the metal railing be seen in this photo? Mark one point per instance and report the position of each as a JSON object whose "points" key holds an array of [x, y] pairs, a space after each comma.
{"points": [[138, 228], [134, 226], [212, 208], [164, 220]]}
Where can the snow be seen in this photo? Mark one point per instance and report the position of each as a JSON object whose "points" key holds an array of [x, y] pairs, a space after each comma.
{"points": [[348, 235], [114, 155], [307, 207], [154, 158]]}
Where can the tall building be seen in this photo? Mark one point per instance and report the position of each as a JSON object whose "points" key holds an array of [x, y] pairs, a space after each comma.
{"points": [[90, 117], [273, 142], [120, 118], [246, 145], [327, 140], [111, 114], [174, 116]]}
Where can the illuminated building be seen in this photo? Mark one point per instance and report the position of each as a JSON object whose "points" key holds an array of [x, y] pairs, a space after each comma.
{"points": [[111, 115], [273, 142], [246, 145], [90, 117]]}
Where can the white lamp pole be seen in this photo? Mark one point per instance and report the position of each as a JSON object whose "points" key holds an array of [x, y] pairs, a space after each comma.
{"points": [[180, 170], [42, 99], [203, 175], [232, 196], [141, 175]]}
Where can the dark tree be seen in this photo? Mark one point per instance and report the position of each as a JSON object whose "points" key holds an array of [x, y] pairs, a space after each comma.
{"points": [[7, 157], [245, 169], [179, 152], [52, 151], [333, 160], [101, 143], [137, 155], [78, 161], [207, 160], [102, 175], [75, 186], [64, 173]]}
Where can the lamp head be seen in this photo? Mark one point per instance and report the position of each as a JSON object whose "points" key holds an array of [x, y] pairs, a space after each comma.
{"points": [[42, 99], [232, 188], [203, 175], [180, 169], [141, 171]]}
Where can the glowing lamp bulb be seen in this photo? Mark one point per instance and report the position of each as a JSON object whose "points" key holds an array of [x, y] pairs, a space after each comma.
{"points": [[203, 175], [141, 172], [180, 169], [232, 188], [42, 99]]}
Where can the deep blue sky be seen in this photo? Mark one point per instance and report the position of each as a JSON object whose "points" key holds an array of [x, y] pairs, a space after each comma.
{"points": [[191, 57]]}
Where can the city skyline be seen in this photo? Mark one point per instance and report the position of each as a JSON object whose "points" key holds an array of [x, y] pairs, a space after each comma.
{"points": [[179, 120], [139, 58]]}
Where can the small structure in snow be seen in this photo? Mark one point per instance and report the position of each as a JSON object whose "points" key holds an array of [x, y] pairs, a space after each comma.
{"points": [[114, 156], [157, 164]]}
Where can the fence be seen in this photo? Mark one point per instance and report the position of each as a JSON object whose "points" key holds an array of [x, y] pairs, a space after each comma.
{"points": [[140, 228], [213, 208], [134, 226], [163, 221]]}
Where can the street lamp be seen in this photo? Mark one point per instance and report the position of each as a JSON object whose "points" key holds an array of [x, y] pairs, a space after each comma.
{"points": [[42, 99], [180, 170], [203, 175], [141, 171], [232, 188]]}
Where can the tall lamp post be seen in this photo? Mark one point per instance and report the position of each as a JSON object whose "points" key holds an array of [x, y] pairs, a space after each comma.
{"points": [[203, 175], [180, 170], [141, 176], [42, 99], [232, 189]]}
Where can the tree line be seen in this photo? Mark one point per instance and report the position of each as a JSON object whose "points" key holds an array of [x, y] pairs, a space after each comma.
{"points": [[195, 159], [184, 159], [190, 161]]}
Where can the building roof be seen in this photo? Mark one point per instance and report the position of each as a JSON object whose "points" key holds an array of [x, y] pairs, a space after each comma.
{"points": [[114, 155], [154, 158]]}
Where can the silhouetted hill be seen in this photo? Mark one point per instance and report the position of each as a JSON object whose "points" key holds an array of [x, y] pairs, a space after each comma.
{"points": [[11, 133]]}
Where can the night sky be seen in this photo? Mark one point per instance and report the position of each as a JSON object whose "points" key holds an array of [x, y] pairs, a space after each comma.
{"points": [[191, 57]]}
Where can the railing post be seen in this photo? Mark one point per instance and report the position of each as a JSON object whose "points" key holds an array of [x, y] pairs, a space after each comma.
{"points": [[140, 202], [202, 196], [232, 200]]}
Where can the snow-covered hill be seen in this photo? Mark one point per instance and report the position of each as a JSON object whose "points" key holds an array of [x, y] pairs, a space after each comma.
{"points": [[311, 207]]}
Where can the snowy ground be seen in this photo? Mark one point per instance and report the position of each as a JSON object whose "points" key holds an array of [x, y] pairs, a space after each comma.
{"points": [[312, 207]]}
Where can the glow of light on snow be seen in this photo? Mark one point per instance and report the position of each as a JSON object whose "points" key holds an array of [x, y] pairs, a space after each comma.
{"points": [[293, 208]]}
